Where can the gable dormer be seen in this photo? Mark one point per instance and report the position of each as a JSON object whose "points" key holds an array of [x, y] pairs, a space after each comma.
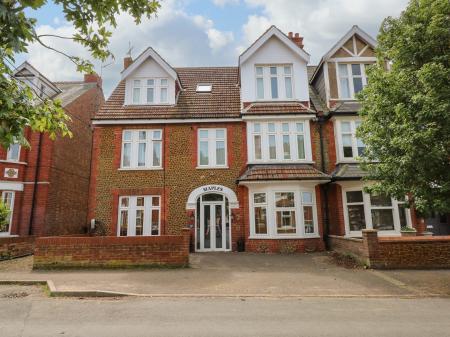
{"points": [[149, 80], [341, 73], [42, 86], [274, 68]]}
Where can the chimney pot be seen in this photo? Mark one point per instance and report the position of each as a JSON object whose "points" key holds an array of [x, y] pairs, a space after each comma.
{"points": [[297, 39], [297, 35], [93, 78], [127, 61], [290, 35]]}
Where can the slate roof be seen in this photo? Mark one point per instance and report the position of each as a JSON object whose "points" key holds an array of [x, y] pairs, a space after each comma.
{"points": [[346, 108], [70, 91], [267, 108], [222, 102], [348, 172], [266, 172]]}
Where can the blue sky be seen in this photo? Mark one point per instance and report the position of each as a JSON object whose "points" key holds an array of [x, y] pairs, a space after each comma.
{"points": [[209, 32]]}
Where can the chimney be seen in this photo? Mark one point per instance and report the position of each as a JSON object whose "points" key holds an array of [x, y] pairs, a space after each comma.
{"points": [[93, 78], [127, 62], [297, 39]]}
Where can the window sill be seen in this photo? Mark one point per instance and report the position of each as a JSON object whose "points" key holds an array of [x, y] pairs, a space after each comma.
{"points": [[13, 162], [212, 167], [284, 237], [141, 169], [7, 235]]}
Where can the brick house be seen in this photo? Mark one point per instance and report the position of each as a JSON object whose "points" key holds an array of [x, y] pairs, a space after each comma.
{"points": [[244, 156], [47, 185]]}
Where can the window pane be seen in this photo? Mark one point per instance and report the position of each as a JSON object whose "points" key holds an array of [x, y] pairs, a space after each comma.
{"points": [[300, 147], [308, 219], [155, 222], [150, 82], [142, 135], [347, 146], [402, 214], [286, 222], [273, 70], [123, 223], [354, 196], [274, 87], [356, 218], [124, 202], [345, 88], [286, 147], [212, 197], [256, 127], [345, 127], [259, 71], [139, 222], [299, 127], [382, 219], [361, 147], [260, 220], [271, 127], [288, 86], [164, 81], [204, 153], [307, 197], [155, 201], [285, 127], [259, 198], [156, 135], [220, 134], [356, 69], [204, 134], [150, 95], [260, 88], [284, 199], [272, 147], [163, 95], [141, 154], [343, 71], [126, 160], [156, 154], [357, 84], [287, 70], [257, 141], [136, 95], [13, 152], [380, 200], [140, 201], [137, 83], [220, 153]]}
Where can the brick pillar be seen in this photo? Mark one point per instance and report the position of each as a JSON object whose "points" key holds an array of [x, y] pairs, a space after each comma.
{"points": [[186, 232], [370, 244], [421, 226]]}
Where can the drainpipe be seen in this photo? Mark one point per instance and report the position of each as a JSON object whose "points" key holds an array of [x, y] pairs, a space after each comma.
{"points": [[36, 173], [322, 120]]}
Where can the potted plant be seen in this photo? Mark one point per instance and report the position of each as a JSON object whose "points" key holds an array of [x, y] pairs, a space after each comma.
{"points": [[408, 231]]}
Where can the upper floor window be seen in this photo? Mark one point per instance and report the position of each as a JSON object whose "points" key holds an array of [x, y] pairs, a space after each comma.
{"points": [[274, 82], [279, 141], [13, 153], [150, 91], [352, 79], [212, 147], [141, 149], [139, 215], [350, 147]]}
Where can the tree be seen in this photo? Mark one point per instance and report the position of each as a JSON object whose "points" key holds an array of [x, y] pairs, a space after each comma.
{"points": [[92, 20], [406, 107]]}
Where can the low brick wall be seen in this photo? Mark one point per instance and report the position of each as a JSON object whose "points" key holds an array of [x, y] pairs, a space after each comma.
{"points": [[417, 252], [12, 247], [112, 252], [284, 245]]}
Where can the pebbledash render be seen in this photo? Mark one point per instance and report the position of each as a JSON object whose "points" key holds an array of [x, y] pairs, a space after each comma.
{"points": [[261, 157]]}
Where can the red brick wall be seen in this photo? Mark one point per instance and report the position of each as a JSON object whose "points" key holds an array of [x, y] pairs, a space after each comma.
{"points": [[352, 246], [335, 210], [109, 251], [284, 245], [12, 247]]}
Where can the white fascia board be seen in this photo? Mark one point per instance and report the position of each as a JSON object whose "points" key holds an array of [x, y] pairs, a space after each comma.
{"points": [[277, 117], [273, 31], [285, 182], [10, 186], [164, 121]]}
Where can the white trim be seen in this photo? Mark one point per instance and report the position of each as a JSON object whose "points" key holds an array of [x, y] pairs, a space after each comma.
{"points": [[134, 143], [212, 141], [355, 59], [13, 162], [9, 186], [11, 208], [273, 31], [278, 117], [219, 189], [164, 121], [132, 207], [354, 30], [338, 138], [287, 182]]}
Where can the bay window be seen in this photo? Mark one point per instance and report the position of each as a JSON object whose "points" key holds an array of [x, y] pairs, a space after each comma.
{"points": [[149, 91], [278, 212], [363, 210], [274, 82], [279, 141], [212, 148], [351, 79], [350, 147], [139, 216], [141, 149]]}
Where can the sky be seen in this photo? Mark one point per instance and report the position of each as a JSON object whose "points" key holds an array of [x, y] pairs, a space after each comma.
{"points": [[207, 32]]}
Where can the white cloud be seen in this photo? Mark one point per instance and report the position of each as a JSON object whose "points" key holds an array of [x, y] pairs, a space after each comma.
{"points": [[223, 3], [218, 39]]}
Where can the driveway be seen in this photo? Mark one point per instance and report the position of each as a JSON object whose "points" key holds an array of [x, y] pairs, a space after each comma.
{"points": [[244, 274]]}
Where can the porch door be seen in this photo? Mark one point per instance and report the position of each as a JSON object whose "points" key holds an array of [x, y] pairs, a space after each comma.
{"points": [[213, 233]]}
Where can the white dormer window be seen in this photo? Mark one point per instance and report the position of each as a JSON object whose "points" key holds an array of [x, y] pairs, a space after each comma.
{"points": [[150, 91], [204, 88], [274, 82]]}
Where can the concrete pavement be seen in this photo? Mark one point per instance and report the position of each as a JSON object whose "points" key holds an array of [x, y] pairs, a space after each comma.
{"points": [[242, 274], [37, 316]]}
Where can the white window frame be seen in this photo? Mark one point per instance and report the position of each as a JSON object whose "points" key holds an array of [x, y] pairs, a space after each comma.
{"points": [[350, 77], [368, 213], [132, 208], [293, 133], [11, 214], [150, 141], [143, 86], [339, 142], [281, 82], [212, 146], [9, 152], [271, 211]]}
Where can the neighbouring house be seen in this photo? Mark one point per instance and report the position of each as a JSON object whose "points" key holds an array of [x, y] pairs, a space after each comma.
{"points": [[261, 156], [47, 185]]}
